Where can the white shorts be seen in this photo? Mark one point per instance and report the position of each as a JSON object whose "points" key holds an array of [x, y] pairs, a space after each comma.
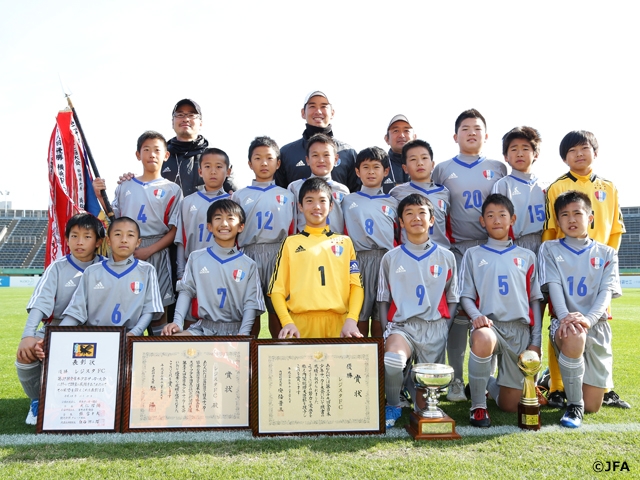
{"points": [[427, 340]]}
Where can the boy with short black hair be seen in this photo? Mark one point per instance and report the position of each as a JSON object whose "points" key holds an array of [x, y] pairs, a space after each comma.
{"points": [[121, 291], [469, 177], [418, 287], [154, 202], [224, 280], [322, 155], [417, 162], [370, 222], [501, 295], [579, 149], [316, 287], [270, 212], [582, 277], [84, 234], [521, 148]]}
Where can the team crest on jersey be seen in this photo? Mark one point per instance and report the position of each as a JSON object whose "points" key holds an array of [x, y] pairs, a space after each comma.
{"points": [[597, 262], [281, 199], [354, 267], [600, 195], [338, 196], [337, 250], [388, 211], [435, 270], [442, 205], [488, 174], [158, 193], [519, 262], [84, 350], [238, 275], [136, 287]]}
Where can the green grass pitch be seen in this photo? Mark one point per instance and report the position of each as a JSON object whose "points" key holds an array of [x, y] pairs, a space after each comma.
{"points": [[612, 435]]}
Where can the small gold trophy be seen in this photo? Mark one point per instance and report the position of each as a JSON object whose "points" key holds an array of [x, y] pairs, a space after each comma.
{"points": [[528, 407]]}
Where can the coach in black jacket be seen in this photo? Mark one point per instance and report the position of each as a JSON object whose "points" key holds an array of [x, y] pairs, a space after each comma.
{"points": [[318, 113]]}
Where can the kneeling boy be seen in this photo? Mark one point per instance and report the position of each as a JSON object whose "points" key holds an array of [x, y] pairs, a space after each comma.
{"points": [[582, 277]]}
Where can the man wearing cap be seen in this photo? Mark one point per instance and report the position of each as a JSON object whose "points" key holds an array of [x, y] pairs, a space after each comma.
{"points": [[399, 132], [318, 113]]}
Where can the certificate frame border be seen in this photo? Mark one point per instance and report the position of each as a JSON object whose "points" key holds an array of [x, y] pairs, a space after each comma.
{"points": [[255, 400], [45, 375], [185, 339]]}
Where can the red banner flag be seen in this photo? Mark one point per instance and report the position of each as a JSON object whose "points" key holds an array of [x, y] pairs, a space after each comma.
{"points": [[70, 183]]}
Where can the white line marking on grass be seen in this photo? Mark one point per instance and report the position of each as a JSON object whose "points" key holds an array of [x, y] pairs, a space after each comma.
{"points": [[231, 436]]}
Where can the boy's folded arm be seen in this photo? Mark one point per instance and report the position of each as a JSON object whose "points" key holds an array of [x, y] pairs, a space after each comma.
{"points": [[164, 242], [469, 306], [280, 306], [248, 319], [356, 297], [33, 320], [143, 323], [182, 308], [556, 295], [536, 329], [69, 321], [599, 307]]}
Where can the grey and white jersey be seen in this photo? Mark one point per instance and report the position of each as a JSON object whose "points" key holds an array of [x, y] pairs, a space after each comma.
{"points": [[370, 218], [335, 220], [502, 279], [438, 195], [582, 271], [224, 281], [469, 179], [116, 294], [419, 280], [57, 285], [153, 205], [192, 230], [269, 209], [527, 197]]}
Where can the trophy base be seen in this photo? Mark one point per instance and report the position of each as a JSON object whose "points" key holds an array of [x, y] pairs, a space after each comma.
{"points": [[529, 417], [421, 428]]}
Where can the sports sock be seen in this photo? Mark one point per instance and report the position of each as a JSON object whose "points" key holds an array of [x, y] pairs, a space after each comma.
{"points": [[493, 388], [494, 365], [555, 378], [394, 364], [479, 373], [572, 370], [29, 376], [457, 344]]}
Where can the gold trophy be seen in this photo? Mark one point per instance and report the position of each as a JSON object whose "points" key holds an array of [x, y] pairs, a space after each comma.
{"points": [[427, 421], [528, 407]]}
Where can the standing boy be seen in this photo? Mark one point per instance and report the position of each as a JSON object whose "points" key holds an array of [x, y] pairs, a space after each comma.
{"points": [[84, 234], [154, 203], [370, 222], [501, 295], [316, 287], [469, 177], [579, 149], [270, 212], [224, 280], [322, 156], [582, 277], [417, 162], [418, 286]]}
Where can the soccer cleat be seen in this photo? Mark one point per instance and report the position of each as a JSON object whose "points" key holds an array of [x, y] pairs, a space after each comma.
{"points": [[392, 413], [456, 391], [544, 379], [612, 399], [403, 402], [556, 399], [480, 418], [572, 418], [32, 417]]}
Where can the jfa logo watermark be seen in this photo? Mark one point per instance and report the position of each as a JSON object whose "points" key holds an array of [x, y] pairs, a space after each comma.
{"points": [[610, 466]]}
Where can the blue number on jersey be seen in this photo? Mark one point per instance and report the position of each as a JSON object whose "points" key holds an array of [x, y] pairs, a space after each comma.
{"points": [[223, 292], [539, 213], [368, 226], [202, 228], [420, 291], [472, 199], [141, 216], [582, 287], [268, 216], [116, 315], [503, 286]]}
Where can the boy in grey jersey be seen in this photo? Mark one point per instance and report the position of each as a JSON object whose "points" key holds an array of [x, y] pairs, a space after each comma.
{"points": [[501, 295], [270, 212], [521, 147], [370, 221], [418, 289], [469, 177], [84, 234], [321, 157], [224, 280], [417, 162], [582, 277]]}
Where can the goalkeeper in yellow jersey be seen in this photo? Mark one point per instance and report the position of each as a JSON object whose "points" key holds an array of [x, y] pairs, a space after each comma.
{"points": [[316, 287]]}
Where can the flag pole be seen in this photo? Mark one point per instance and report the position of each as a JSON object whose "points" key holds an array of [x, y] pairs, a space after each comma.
{"points": [[94, 167]]}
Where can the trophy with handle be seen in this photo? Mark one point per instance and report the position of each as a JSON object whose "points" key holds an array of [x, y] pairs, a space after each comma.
{"points": [[528, 407]]}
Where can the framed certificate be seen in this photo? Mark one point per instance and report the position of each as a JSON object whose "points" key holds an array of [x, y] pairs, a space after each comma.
{"points": [[81, 384], [187, 383], [317, 386]]}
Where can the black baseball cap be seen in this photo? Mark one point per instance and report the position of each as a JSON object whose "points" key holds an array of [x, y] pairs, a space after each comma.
{"points": [[187, 101]]}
